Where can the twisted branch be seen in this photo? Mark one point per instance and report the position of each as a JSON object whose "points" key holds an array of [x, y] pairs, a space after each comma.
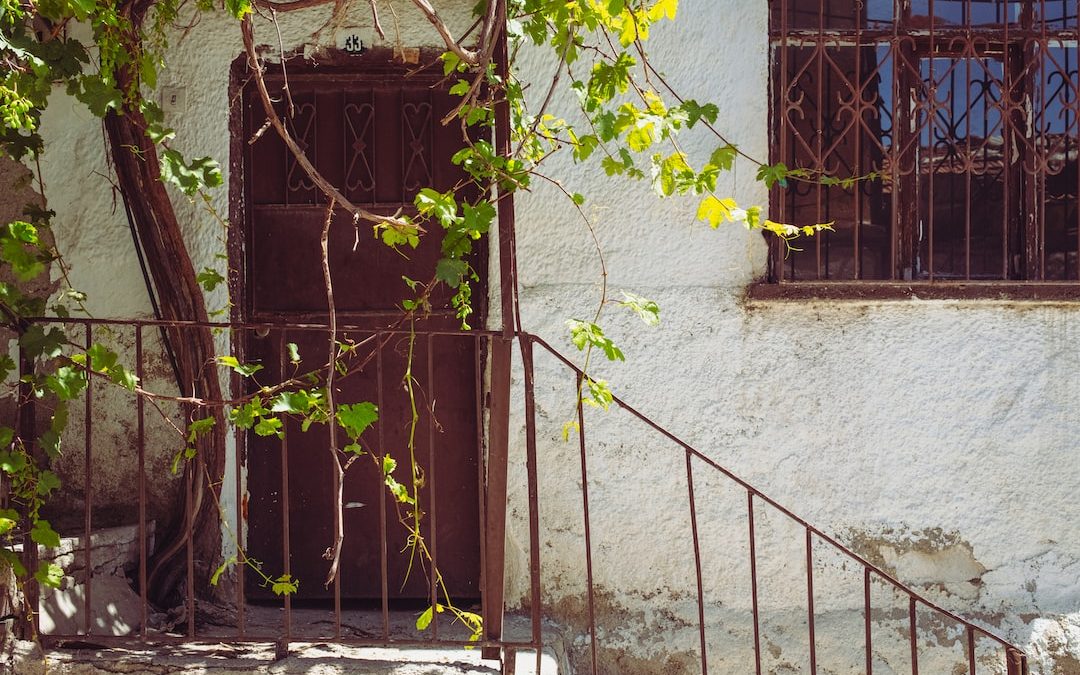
{"points": [[335, 196]]}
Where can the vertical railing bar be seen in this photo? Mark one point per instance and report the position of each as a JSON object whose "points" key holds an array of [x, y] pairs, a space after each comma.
{"points": [[697, 562], [897, 229], [967, 174], [28, 433], [431, 472], [534, 495], [1043, 168], [339, 516], [810, 598], [1006, 145], [240, 439], [930, 168], [867, 622], [1076, 142], [971, 650], [585, 515], [189, 526], [286, 523], [819, 139], [404, 126], [786, 130], [857, 129], [1071, 139], [140, 444], [753, 583], [88, 483], [478, 385], [913, 636], [381, 492]]}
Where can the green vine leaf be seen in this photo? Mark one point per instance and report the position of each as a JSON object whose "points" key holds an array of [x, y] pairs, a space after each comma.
{"points": [[585, 333], [355, 418], [43, 534], [9, 518], [98, 95], [39, 342], [66, 382], [216, 576], [648, 310], [450, 271], [12, 462], [209, 279], [12, 559], [270, 426], [285, 585], [238, 9], [200, 427], [47, 481], [600, 395], [201, 173], [244, 369], [696, 112], [424, 620], [49, 574]]}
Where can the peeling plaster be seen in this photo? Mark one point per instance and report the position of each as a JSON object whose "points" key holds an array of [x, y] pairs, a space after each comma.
{"points": [[937, 437]]}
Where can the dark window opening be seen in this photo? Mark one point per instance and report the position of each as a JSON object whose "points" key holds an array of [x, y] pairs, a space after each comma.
{"points": [[968, 111]]}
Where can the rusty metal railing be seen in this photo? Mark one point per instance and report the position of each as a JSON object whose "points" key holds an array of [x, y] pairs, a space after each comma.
{"points": [[1014, 658], [385, 618]]}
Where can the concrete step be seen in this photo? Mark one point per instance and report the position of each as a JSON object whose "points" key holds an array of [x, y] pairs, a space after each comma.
{"points": [[311, 659]]}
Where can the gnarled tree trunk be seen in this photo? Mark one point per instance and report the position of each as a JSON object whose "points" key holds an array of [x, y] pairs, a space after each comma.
{"points": [[180, 298]]}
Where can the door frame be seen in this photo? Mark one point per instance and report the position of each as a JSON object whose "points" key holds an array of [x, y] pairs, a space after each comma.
{"points": [[376, 63]]}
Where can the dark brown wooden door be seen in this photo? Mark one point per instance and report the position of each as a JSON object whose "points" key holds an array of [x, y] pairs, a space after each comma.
{"points": [[379, 139]]}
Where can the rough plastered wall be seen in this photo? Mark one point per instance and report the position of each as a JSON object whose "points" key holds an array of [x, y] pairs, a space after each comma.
{"points": [[938, 439]]}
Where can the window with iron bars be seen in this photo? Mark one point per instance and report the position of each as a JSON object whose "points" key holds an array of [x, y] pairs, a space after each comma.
{"points": [[964, 113]]}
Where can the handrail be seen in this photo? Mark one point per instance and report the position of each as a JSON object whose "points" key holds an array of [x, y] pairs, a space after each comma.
{"points": [[253, 325], [481, 341], [1012, 650]]}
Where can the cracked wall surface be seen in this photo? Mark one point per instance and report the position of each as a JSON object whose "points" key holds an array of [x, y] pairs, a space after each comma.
{"points": [[936, 438]]}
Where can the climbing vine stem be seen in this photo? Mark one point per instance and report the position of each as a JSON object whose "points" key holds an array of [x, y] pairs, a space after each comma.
{"points": [[622, 106]]}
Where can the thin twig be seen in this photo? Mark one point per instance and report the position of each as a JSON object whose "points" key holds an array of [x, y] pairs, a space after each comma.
{"points": [[399, 224], [551, 90], [375, 19], [291, 6], [467, 55], [334, 553], [284, 71]]}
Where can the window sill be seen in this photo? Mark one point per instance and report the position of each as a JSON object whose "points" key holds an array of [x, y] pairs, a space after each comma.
{"points": [[908, 290]]}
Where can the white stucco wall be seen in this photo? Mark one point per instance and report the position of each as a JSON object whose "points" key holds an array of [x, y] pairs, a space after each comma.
{"points": [[936, 438]]}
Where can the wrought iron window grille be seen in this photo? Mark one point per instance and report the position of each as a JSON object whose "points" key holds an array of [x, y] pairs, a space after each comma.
{"points": [[967, 112]]}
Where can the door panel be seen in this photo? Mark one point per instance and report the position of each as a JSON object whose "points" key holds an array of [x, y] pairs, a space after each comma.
{"points": [[380, 141]]}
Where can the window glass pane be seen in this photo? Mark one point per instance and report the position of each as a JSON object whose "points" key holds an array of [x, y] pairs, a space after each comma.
{"points": [[1055, 148], [949, 13], [978, 155], [838, 121], [963, 178], [879, 13], [828, 14], [1056, 14]]}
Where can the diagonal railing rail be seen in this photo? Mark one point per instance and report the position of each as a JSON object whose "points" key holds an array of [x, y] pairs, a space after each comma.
{"points": [[598, 649], [1014, 658]]}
